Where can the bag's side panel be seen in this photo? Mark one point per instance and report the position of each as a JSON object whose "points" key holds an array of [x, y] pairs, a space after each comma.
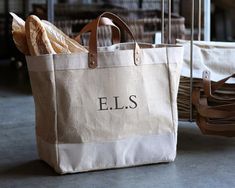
{"points": [[41, 72], [175, 61]]}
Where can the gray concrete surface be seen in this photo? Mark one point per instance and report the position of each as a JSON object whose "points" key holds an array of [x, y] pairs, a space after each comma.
{"points": [[202, 161]]}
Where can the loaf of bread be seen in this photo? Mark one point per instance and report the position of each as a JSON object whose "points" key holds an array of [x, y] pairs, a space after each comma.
{"points": [[18, 34], [36, 35], [59, 48], [57, 36]]}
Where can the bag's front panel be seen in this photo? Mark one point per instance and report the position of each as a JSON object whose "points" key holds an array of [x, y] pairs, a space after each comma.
{"points": [[113, 103], [118, 114], [114, 117]]}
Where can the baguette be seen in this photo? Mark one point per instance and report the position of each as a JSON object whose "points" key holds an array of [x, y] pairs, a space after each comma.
{"points": [[36, 35], [59, 48], [18, 34], [57, 36]]}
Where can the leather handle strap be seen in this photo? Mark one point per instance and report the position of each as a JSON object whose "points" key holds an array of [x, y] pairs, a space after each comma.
{"points": [[116, 34], [221, 129], [214, 120], [209, 88], [218, 118], [220, 83], [92, 56], [217, 111]]}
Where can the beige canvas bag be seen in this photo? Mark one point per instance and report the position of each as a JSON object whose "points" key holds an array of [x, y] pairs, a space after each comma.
{"points": [[112, 107], [216, 57]]}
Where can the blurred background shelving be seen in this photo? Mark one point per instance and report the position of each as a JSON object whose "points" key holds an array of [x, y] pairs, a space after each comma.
{"points": [[143, 16]]}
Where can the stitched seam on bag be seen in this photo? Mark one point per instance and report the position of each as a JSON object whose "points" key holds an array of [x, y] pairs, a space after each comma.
{"points": [[56, 119], [40, 71], [118, 139], [169, 80], [110, 167], [113, 67]]}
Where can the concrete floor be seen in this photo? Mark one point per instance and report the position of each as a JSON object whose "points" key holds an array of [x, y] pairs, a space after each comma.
{"points": [[202, 161]]}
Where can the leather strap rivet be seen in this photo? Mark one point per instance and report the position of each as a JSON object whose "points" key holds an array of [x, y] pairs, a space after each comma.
{"points": [[92, 62]]}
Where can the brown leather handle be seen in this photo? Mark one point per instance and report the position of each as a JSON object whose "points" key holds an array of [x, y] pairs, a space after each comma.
{"points": [[214, 117], [220, 128], [220, 111], [92, 56], [116, 34], [216, 111], [209, 88]]}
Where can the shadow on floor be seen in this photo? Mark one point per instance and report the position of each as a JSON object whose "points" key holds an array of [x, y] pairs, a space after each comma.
{"points": [[29, 169], [190, 139]]}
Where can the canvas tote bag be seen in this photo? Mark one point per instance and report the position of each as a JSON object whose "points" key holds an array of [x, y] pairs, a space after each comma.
{"points": [[112, 107], [216, 57]]}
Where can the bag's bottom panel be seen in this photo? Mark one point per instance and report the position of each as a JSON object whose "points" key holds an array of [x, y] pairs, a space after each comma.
{"points": [[133, 151]]}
